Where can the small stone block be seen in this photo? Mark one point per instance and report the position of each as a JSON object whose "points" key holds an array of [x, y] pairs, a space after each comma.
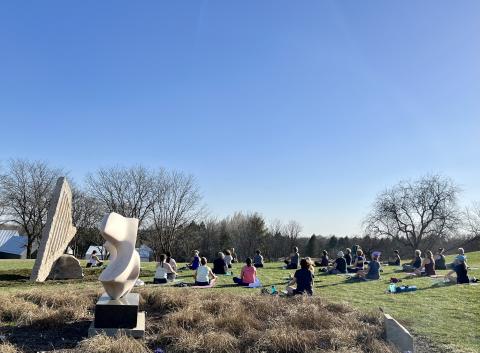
{"points": [[398, 335], [119, 313], [136, 332]]}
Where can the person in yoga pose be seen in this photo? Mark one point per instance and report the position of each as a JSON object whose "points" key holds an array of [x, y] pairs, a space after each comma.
{"points": [[248, 274], [396, 259], [358, 264], [415, 264], [219, 265], [228, 258], [302, 281], [348, 256], [94, 261], [428, 264], [292, 262], [373, 272], [440, 260], [461, 269], [258, 259], [203, 274], [195, 261], [162, 270], [340, 265], [173, 264], [324, 261]]}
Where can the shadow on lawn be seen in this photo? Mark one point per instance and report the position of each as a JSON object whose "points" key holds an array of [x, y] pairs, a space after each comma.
{"points": [[31, 339]]}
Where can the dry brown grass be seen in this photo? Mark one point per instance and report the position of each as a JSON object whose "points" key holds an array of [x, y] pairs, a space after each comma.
{"points": [[198, 321], [8, 348], [46, 309], [211, 322], [104, 344]]}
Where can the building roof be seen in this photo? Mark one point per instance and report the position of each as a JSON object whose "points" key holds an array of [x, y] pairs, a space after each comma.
{"points": [[15, 245], [5, 235]]}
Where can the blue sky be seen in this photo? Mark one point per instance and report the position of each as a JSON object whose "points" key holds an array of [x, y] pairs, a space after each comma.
{"points": [[297, 109]]}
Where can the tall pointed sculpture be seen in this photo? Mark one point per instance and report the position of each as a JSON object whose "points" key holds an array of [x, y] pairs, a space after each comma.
{"points": [[58, 231], [120, 233], [117, 310]]}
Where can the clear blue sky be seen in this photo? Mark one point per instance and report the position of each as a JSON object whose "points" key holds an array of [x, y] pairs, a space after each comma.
{"points": [[297, 109]]}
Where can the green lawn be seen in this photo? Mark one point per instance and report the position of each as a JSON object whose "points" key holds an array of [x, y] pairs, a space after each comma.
{"points": [[447, 315]]}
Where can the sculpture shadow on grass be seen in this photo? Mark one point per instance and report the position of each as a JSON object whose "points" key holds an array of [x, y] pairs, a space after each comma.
{"points": [[65, 337]]}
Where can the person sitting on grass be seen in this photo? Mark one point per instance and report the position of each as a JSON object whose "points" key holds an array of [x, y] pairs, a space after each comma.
{"points": [[348, 256], [303, 279], [340, 265], [162, 270], [396, 259], [292, 262], [258, 259], [94, 261], [358, 264], [415, 264], [311, 264], [247, 275], [428, 264], [173, 264], [440, 260], [373, 272], [461, 257], [324, 261], [195, 261], [228, 258], [219, 265], [203, 274], [461, 269]]}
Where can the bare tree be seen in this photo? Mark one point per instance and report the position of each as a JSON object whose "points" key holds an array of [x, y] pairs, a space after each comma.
{"points": [[87, 213], [176, 204], [292, 230], [472, 222], [25, 191], [127, 191], [416, 213]]}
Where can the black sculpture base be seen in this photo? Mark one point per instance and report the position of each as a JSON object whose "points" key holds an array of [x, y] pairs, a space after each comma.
{"points": [[112, 316]]}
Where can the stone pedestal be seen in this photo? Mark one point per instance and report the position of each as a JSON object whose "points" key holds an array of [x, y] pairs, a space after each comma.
{"points": [[120, 315], [398, 335]]}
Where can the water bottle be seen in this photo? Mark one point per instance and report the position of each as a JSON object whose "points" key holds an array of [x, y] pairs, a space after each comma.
{"points": [[274, 290], [392, 288]]}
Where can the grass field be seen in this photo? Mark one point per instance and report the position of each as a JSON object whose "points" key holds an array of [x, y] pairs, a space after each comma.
{"points": [[445, 318]]}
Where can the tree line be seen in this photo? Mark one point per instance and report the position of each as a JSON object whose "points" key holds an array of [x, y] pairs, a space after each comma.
{"points": [[173, 217]]}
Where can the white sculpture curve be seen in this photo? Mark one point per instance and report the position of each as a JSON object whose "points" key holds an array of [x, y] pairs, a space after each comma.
{"points": [[121, 274]]}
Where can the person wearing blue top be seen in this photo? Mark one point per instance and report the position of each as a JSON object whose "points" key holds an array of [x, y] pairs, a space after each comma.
{"points": [[195, 261], [373, 272]]}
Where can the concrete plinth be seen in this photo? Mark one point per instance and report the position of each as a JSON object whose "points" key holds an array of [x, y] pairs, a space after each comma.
{"points": [[136, 332], [398, 335]]}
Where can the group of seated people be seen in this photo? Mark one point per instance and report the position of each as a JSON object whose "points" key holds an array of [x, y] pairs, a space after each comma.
{"points": [[429, 264], [302, 281]]}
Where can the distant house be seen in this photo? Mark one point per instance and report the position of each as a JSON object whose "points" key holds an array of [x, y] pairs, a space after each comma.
{"points": [[146, 253], [101, 252], [13, 245]]}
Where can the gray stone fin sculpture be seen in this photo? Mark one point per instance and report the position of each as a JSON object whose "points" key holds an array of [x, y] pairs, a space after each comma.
{"points": [[57, 233], [123, 270], [66, 267]]}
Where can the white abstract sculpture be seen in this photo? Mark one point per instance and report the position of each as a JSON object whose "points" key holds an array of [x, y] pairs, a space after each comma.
{"points": [[58, 231], [120, 233]]}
